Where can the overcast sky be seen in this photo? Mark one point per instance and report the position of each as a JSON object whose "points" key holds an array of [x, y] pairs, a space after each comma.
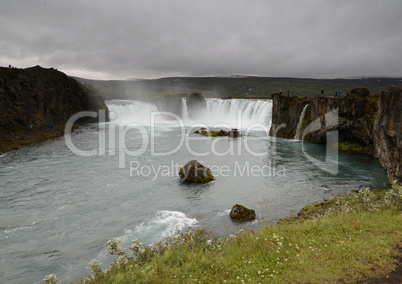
{"points": [[150, 39]]}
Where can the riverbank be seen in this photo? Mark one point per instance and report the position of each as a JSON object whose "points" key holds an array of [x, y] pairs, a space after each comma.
{"points": [[16, 139], [351, 238]]}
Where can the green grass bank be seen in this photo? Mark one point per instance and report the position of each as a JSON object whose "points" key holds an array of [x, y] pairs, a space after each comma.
{"points": [[346, 239]]}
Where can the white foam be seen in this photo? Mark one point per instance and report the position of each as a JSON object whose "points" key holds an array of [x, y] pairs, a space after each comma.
{"points": [[161, 226], [127, 112]]}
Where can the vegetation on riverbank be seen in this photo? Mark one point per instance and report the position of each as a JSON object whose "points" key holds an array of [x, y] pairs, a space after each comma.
{"points": [[355, 148], [18, 138], [349, 238]]}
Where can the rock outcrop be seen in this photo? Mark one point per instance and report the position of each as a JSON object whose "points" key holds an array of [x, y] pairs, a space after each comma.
{"points": [[38, 96], [42, 98], [234, 133], [354, 118], [241, 213], [370, 123], [285, 115], [388, 133], [194, 172]]}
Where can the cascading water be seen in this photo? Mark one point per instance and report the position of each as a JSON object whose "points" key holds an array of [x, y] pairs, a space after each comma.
{"points": [[184, 111], [126, 112], [297, 135], [235, 113]]}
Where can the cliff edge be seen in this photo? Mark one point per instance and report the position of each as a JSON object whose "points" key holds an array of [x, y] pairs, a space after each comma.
{"points": [[41, 99], [388, 132], [366, 124]]}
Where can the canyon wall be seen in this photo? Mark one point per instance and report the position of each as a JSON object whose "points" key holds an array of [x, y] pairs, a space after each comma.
{"points": [[38, 96], [366, 124]]}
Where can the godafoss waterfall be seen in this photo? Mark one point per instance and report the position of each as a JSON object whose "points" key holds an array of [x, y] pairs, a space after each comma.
{"points": [[61, 202]]}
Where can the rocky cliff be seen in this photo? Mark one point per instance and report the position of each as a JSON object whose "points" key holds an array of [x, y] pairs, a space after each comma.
{"points": [[368, 124], [285, 115], [388, 132], [41, 98]]}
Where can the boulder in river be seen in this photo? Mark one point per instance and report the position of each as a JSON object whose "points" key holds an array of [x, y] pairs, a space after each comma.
{"points": [[194, 172], [241, 213], [234, 133]]}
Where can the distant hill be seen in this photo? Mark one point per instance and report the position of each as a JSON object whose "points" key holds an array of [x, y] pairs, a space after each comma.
{"points": [[234, 86]]}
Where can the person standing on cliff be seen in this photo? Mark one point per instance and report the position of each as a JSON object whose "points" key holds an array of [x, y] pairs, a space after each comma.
{"points": [[322, 92], [336, 93]]}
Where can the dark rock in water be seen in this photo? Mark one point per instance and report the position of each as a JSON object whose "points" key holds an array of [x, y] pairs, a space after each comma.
{"points": [[196, 105], [212, 133], [234, 133], [194, 172], [241, 213], [222, 133]]}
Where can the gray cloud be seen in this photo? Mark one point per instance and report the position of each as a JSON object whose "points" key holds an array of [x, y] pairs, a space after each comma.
{"points": [[128, 39]]}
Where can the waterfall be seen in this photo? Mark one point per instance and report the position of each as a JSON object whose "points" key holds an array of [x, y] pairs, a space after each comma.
{"points": [[184, 111], [297, 136], [126, 112], [232, 113], [235, 113]]}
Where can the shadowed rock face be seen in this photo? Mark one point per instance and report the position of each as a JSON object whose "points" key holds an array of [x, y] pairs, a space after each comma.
{"points": [[241, 213], [194, 172], [372, 121], [388, 133], [285, 115], [37, 96]]}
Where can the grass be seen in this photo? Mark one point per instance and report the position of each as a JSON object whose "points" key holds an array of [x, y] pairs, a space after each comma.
{"points": [[346, 239], [355, 148], [18, 138]]}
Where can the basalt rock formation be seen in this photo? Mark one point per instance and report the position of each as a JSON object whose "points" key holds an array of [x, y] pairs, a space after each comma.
{"points": [[39, 98], [285, 115], [388, 133], [371, 123]]}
